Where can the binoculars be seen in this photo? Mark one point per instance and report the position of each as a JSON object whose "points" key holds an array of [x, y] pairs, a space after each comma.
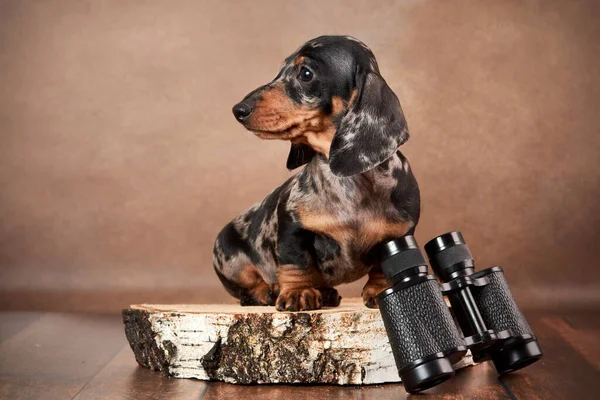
{"points": [[424, 337]]}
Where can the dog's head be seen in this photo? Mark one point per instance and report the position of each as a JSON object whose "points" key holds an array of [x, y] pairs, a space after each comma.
{"points": [[329, 97]]}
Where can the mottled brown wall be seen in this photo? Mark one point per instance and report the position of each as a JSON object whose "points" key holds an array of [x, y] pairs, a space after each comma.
{"points": [[120, 159]]}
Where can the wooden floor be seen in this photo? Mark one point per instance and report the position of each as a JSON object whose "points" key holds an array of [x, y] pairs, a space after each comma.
{"points": [[76, 356]]}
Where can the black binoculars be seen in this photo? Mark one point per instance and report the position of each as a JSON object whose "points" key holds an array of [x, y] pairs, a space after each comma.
{"points": [[424, 337]]}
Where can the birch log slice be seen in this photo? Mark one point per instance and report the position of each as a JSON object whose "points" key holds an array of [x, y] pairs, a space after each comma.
{"points": [[227, 342]]}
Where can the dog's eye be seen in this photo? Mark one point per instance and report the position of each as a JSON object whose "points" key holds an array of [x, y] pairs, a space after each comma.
{"points": [[305, 74]]}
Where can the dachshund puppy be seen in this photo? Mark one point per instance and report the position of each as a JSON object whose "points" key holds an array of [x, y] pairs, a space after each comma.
{"points": [[317, 230]]}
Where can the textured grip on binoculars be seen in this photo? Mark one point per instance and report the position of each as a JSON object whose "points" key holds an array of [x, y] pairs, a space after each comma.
{"points": [[498, 307], [418, 323]]}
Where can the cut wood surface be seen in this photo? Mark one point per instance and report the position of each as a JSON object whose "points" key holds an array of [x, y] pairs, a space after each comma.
{"points": [[226, 342]]}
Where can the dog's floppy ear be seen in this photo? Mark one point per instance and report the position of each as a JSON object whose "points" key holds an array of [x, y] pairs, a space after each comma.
{"points": [[372, 129], [300, 154]]}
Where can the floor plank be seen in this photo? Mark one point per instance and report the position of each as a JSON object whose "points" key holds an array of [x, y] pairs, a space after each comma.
{"points": [[12, 323], [55, 356], [477, 382], [226, 391], [582, 320], [586, 342], [561, 374], [123, 378]]}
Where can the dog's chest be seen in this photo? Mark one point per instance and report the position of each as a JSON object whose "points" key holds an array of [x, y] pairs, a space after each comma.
{"points": [[357, 227], [348, 223], [342, 245], [358, 209]]}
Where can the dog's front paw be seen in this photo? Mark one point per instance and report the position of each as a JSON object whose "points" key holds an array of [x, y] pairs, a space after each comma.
{"points": [[369, 293], [301, 299], [261, 295]]}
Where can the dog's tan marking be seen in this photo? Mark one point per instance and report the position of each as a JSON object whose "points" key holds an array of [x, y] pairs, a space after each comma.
{"points": [[250, 279], [375, 230], [338, 105], [364, 232], [276, 116], [325, 224], [297, 288], [353, 97], [319, 141], [292, 277], [298, 60], [373, 287], [320, 130]]}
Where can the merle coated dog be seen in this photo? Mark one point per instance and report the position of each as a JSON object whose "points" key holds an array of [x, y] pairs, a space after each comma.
{"points": [[317, 230]]}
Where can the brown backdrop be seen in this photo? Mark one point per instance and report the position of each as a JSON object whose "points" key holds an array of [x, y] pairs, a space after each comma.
{"points": [[120, 159]]}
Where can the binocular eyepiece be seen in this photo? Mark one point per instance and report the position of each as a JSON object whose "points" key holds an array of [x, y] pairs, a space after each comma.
{"points": [[423, 336]]}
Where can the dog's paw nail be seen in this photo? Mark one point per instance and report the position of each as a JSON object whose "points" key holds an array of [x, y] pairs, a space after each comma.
{"points": [[292, 303]]}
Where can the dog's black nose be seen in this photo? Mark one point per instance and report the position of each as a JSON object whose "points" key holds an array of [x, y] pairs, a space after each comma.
{"points": [[241, 111]]}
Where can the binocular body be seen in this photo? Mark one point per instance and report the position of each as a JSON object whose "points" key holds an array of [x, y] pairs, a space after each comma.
{"points": [[423, 334]]}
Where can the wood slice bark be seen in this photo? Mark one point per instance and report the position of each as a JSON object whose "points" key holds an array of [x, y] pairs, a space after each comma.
{"points": [[227, 342]]}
